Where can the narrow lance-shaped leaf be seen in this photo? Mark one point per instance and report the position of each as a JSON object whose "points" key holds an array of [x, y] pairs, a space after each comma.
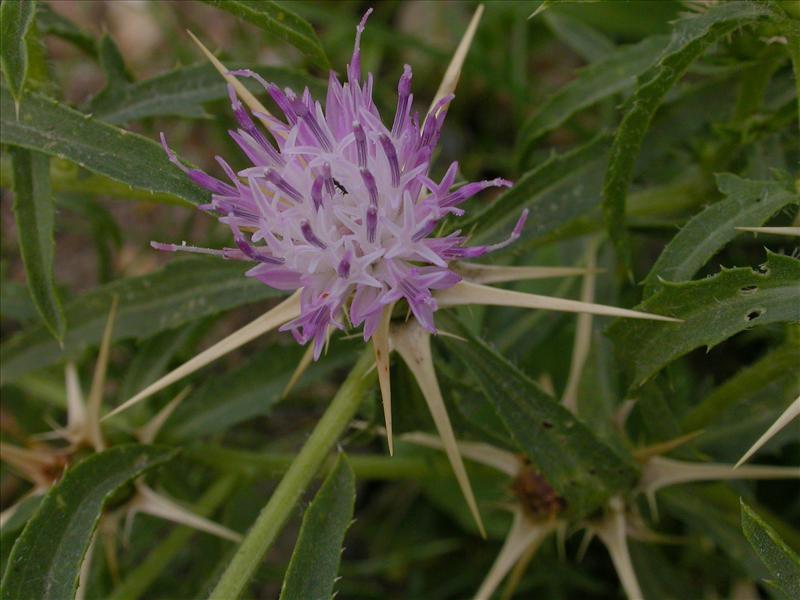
{"points": [[181, 292], [581, 468], [46, 559], [317, 553], [562, 188], [55, 129], [280, 22], [690, 38], [773, 368], [34, 212], [746, 202], [183, 91], [713, 309], [783, 562], [613, 74], [15, 21], [51, 22]]}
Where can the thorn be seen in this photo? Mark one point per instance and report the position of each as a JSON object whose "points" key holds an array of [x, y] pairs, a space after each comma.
{"points": [[453, 72], [465, 292], [92, 432], [152, 503], [646, 452], [148, 432], [791, 412], [302, 366], [275, 317], [381, 344], [793, 231], [414, 346]]}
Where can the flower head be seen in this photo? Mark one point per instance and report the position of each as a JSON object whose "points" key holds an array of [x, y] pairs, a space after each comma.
{"points": [[340, 205]]}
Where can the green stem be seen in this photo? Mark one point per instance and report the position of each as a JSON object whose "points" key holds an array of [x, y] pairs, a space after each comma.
{"points": [[143, 576], [283, 501], [251, 464]]}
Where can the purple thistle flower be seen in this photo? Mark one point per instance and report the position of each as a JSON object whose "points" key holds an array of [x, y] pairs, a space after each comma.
{"points": [[340, 206]]}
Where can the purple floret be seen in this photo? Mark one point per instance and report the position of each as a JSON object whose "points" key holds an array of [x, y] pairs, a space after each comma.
{"points": [[340, 206]]}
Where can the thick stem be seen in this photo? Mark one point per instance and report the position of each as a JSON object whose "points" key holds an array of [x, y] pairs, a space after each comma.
{"points": [[283, 501]]}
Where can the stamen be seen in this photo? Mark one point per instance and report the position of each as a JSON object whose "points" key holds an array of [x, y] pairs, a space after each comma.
{"points": [[354, 69], [305, 227], [326, 174], [279, 182], [361, 144], [316, 192], [247, 124], [308, 116], [425, 230], [403, 101], [212, 184], [284, 102], [372, 223], [372, 188], [226, 253], [391, 156], [250, 251], [343, 270]]}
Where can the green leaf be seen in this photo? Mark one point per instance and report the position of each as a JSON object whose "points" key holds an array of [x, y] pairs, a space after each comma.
{"points": [[711, 511], [614, 73], [248, 391], [152, 358], [690, 39], [233, 397], [117, 75], [55, 129], [51, 22], [46, 559], [183, 91], [783, 562], [767, 371], [181, 292], [580, 467], [34, 212], [279, 22], [587, 42], [556, 192], [19, 518], [15, 20], [713, 309], [315, 561], [747, 202]]}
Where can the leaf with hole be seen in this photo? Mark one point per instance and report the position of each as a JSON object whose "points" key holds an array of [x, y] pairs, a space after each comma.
{"points": [[691, 37], [747, 202], [713, 309]]}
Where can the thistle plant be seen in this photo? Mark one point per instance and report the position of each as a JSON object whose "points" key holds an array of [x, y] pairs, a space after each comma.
{"points": [[440, 324]]}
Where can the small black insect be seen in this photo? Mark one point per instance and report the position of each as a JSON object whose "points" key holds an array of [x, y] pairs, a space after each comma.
{"points": [[339, 186]]}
